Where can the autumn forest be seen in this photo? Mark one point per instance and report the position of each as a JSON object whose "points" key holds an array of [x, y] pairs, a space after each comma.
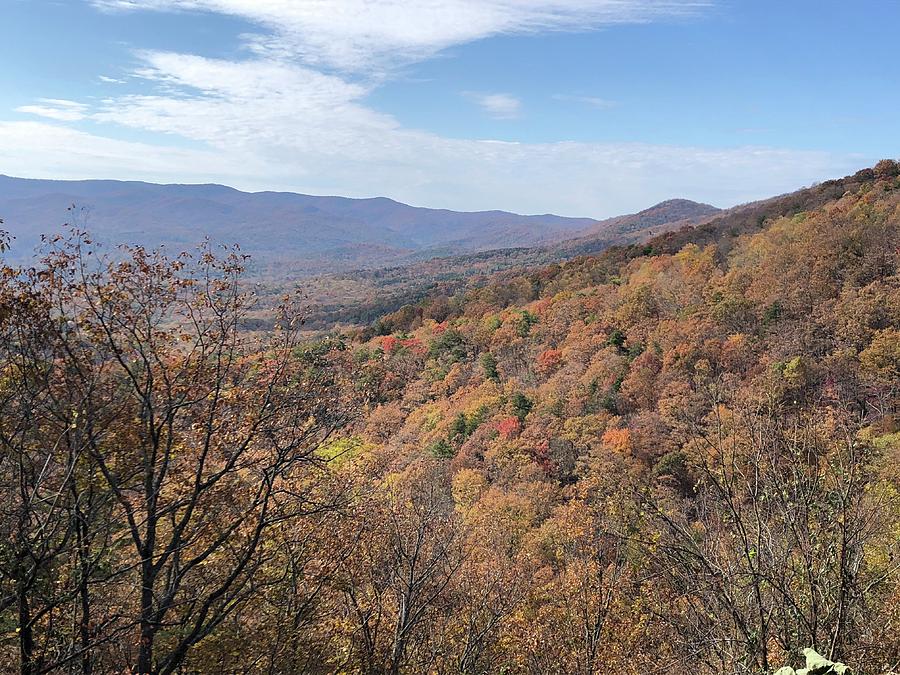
{"points": [[680, 455]]}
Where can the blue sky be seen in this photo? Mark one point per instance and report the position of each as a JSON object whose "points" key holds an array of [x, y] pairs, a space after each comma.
{"points": [[578, 107]]}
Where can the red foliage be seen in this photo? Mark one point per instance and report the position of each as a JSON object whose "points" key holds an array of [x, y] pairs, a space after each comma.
{"points": [[541, 306], [541, 456], [389, 344], [414, 345], [392, 345], [509, 427]]}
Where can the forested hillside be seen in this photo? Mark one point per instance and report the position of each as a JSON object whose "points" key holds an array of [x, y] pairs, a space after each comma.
{"points": [[677, 457], [686, 458], [361, 296]]}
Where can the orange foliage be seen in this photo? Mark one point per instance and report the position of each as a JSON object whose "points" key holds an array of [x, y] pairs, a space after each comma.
{"points": [[509, 427], [549, 360], [618, 440]]}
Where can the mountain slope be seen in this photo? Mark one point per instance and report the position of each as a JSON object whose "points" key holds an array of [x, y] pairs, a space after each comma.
{"points": [[591, 255], [304, 231], [664, 213], [362, 295], [668, 435]]}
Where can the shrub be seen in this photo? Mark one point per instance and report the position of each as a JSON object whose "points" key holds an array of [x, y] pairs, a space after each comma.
{"points": [[886, 168]]}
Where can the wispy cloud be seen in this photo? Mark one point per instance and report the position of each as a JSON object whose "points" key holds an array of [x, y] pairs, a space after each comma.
{"points": [[362, 35], [46, 150], [592, 101], [110, 80], [56, 109], [498, 106]]}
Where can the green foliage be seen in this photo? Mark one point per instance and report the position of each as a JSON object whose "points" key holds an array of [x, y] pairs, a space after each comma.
{"points": [[521, 405], [772, 313], [316, 353], [449, 347], [557, 407], [608, 403], [675, 467], [459, 427], [616, 339], [489, 367], [493, 322], [635, 350], [605, 400], [441, 449], [383, 327], [795, 371], [464, 425], [475, 420], [341, 450], [525, 321]]}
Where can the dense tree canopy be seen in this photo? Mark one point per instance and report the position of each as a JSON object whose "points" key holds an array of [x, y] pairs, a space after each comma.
{"points": [[674, 458]]}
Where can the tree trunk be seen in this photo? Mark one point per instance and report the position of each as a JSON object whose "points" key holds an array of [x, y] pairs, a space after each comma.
{"points": [[148, 630], [84, 598], [26, 636]]}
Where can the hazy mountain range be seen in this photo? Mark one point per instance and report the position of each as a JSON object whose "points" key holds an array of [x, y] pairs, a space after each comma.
{"points": [[307, 233]]}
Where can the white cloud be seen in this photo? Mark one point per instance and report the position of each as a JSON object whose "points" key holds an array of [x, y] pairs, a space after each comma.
{"points": [[284, 118], [56, 109], [110, 80], [359, 35], [498, 106], [44, 150], [592, 101]]}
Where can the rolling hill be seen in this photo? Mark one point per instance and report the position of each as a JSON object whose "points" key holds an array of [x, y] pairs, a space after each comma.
{"points": [[307, 232], [302, 234], [361, 295]]}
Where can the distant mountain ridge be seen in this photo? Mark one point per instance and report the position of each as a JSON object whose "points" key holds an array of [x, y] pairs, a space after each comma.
{"points": [[272, 226], [305, 233]]}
